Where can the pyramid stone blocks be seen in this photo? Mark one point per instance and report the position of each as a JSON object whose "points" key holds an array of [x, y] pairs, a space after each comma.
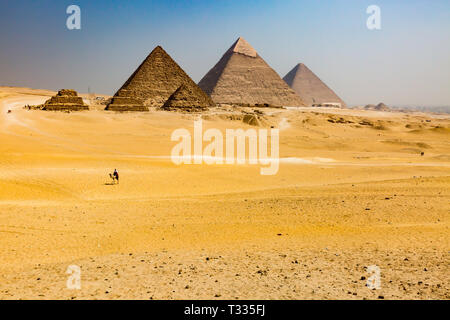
{"points": [[242, 77], [65, 100], [188, 98], [153, 82], [312, 90]]}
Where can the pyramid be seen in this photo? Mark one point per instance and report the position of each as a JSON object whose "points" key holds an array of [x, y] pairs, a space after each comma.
{"points": [[65, 100], [124, 100], [312, 90], [153, 82], [242, 77], [188, 98]]}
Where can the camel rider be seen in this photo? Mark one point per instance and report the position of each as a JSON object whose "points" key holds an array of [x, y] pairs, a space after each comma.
{"points": [[116, 175]]}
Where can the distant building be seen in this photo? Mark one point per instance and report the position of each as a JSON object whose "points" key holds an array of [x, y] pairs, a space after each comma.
{"points": [[328, 104]]}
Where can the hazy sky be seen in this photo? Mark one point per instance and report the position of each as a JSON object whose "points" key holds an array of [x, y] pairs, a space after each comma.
{"points": [[407, 62]]}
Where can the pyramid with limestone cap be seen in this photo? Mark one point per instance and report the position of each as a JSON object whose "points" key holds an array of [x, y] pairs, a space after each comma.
{"points": [[309, 86], [241, 46], [242, 77], [153, 82]]}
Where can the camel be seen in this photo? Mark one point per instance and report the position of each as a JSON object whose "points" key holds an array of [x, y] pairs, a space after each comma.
{"points": [[113, 178]]}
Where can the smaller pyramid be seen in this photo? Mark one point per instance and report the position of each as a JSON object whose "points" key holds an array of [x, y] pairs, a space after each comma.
{"points": [[188, 98], [379, 107], [309, 86], [124, 101], [65, 100]]}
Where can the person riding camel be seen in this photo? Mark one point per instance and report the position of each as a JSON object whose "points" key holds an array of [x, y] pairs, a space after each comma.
{"points": [[116, 175]]}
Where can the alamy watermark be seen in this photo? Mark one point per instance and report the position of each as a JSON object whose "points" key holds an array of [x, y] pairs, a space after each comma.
{"points": [[374, 281], [73, 22], [234, 146], [374, 20], [74, 280]]}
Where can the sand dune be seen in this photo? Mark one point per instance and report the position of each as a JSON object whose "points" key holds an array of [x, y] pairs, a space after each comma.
{"points": [[347, 195]]}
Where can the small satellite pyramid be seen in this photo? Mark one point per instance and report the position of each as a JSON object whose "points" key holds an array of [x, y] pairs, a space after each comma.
{"points": [[242, 77], [65, 100], [188, 98], [312, 90], [153, 82]]}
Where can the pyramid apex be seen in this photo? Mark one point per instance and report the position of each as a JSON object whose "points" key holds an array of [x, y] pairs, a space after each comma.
{"points": [[241, 46], [241, 39], [158, 48], [300, 65]]}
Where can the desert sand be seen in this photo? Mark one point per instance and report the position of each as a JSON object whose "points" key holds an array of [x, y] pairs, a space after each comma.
{"points": [[352, 191]]}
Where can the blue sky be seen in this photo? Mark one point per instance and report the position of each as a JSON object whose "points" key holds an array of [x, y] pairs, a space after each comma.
{"points": [[407, 62]]}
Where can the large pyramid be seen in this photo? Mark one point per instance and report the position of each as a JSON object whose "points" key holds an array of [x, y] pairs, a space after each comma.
{"points": [[242, 77], [154, 81], [312, 90]]}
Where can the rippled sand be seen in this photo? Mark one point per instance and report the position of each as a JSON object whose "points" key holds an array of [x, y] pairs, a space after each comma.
{"points": [[347, 196]]}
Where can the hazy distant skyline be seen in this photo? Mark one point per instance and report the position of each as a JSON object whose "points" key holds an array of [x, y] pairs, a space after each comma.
{"points": [[407, 62]]}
